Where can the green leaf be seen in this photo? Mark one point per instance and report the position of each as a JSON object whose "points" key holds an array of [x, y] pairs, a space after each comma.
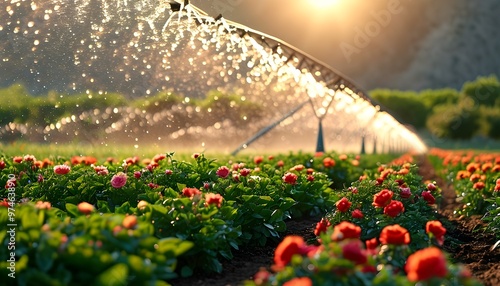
{"points": [[114, 276], [103, 207], [72, 210], [186, 271], [44, 257]]}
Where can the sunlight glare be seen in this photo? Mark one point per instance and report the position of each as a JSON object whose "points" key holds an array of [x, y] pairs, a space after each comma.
{"points": [[322, 3]]}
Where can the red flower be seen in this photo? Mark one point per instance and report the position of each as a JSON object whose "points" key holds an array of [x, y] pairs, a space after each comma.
{"points": [[190, 192], [428, 197], [4, 203], [394, 234], [343, 205], [61, 169], [357, 214], [258, 159], [371, 244], [213, 199], [299, 281], [382, 198], [436, 228], [261, 277], [328, 162], [291, 245], [431, 187], [2, 165], [17, 159], [85, 208], [353, 251], [426, 264], [280, 163], [168, 172], [153, 185], [394, 208], [405, 193], [29, 158], [472, 167], [290, 178], [245, 172], [322, 226], [345, 230], [119, 180], [310, 178], [222, 172]]}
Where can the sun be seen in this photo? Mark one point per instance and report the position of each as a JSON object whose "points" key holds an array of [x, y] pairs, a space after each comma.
{"points": [[323, 3]]}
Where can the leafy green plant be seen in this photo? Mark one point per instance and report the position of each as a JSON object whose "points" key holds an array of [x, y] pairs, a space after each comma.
{"points": [[83, 247]]}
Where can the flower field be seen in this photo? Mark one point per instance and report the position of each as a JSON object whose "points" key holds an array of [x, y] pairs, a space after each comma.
{"points": [[173, 219]]}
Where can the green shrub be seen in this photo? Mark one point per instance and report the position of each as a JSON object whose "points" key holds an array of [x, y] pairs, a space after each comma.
{"points": [[484, 90], [454, 121]]}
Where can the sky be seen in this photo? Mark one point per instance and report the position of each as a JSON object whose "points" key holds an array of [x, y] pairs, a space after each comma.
{"points": [[351, 36]]}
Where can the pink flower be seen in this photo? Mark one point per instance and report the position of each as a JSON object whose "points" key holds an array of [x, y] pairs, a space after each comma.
{"points": [[404, 192], [101, 170], [431, 187], [290, 178], [137, 174], [168, 172], [119, 180], [222, 172], [61, 169]]}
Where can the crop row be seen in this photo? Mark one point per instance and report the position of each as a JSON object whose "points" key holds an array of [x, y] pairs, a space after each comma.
{"points": [[73, 221]]}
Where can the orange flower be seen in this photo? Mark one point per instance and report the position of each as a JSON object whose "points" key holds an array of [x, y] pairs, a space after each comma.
{"points": [[472, 167], [486, 167], [328, 162], [426, 264], [290, 246], [342, 157], [475, 177], [142, 205], [41, 205], [436, 228], [478, 185], [85, 208], [129, 221], [345, 230], [299, 281], [394, 234], [159, 157], [463, 175], [382, 198]]}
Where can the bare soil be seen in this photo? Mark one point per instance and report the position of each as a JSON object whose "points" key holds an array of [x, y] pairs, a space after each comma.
{"points": [[464, 242]]}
